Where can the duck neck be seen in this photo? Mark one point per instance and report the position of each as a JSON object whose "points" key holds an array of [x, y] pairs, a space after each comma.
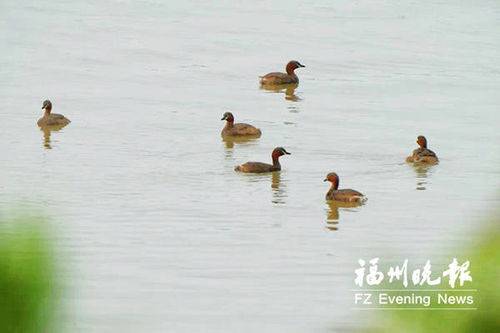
{"points": [[229, 123], [276, 159], [290, 68], [335, 186], [422, 142], [47, 111]]}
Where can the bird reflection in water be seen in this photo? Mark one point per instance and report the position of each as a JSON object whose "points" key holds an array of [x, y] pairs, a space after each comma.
{"points": [[278, 189], [422, 172], [287, 89], [229, 142], [333, 214], [47, 131]]}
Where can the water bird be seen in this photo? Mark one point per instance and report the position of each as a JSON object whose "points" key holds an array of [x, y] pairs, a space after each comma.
{"points": [[422, 154], [345, 195], [239, 129], [258, 167], [51, 119], [282, 78]]}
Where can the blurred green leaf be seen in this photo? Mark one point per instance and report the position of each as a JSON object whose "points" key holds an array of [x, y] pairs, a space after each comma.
{"points": [[27, 276]]}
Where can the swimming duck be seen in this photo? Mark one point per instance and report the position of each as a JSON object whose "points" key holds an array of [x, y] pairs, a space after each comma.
{"points": [[282, 78], [51, 119], [240, 129], [258, 167], [346, 195], [422, 154]]}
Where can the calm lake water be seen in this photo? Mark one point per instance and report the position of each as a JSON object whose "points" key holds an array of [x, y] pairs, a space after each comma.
{"points": [[158, 233]]}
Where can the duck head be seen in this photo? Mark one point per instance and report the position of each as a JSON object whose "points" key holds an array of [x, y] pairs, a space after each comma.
{"points": [[333, 178], [47, 106], [291, 66], [422, 141], [228, 116], [280, 151]]}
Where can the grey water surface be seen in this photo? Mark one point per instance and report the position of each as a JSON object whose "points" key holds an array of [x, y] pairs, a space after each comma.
{"points": [[156, 230]]}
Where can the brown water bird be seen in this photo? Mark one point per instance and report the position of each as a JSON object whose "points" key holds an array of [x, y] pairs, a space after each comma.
{"points": [[51, 119], [422, 154], [282, 78], [345, 195], [239, 129], [258, 167]]}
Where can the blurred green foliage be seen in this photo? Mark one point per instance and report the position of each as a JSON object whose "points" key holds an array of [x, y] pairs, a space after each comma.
{"points": [[485, 271], [27, 276]]}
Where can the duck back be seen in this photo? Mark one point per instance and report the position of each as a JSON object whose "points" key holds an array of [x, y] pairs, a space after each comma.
{"points": [[240, 129], [53, 119], [346, 195], [257, 167], [278, 78], [422, 155]]}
